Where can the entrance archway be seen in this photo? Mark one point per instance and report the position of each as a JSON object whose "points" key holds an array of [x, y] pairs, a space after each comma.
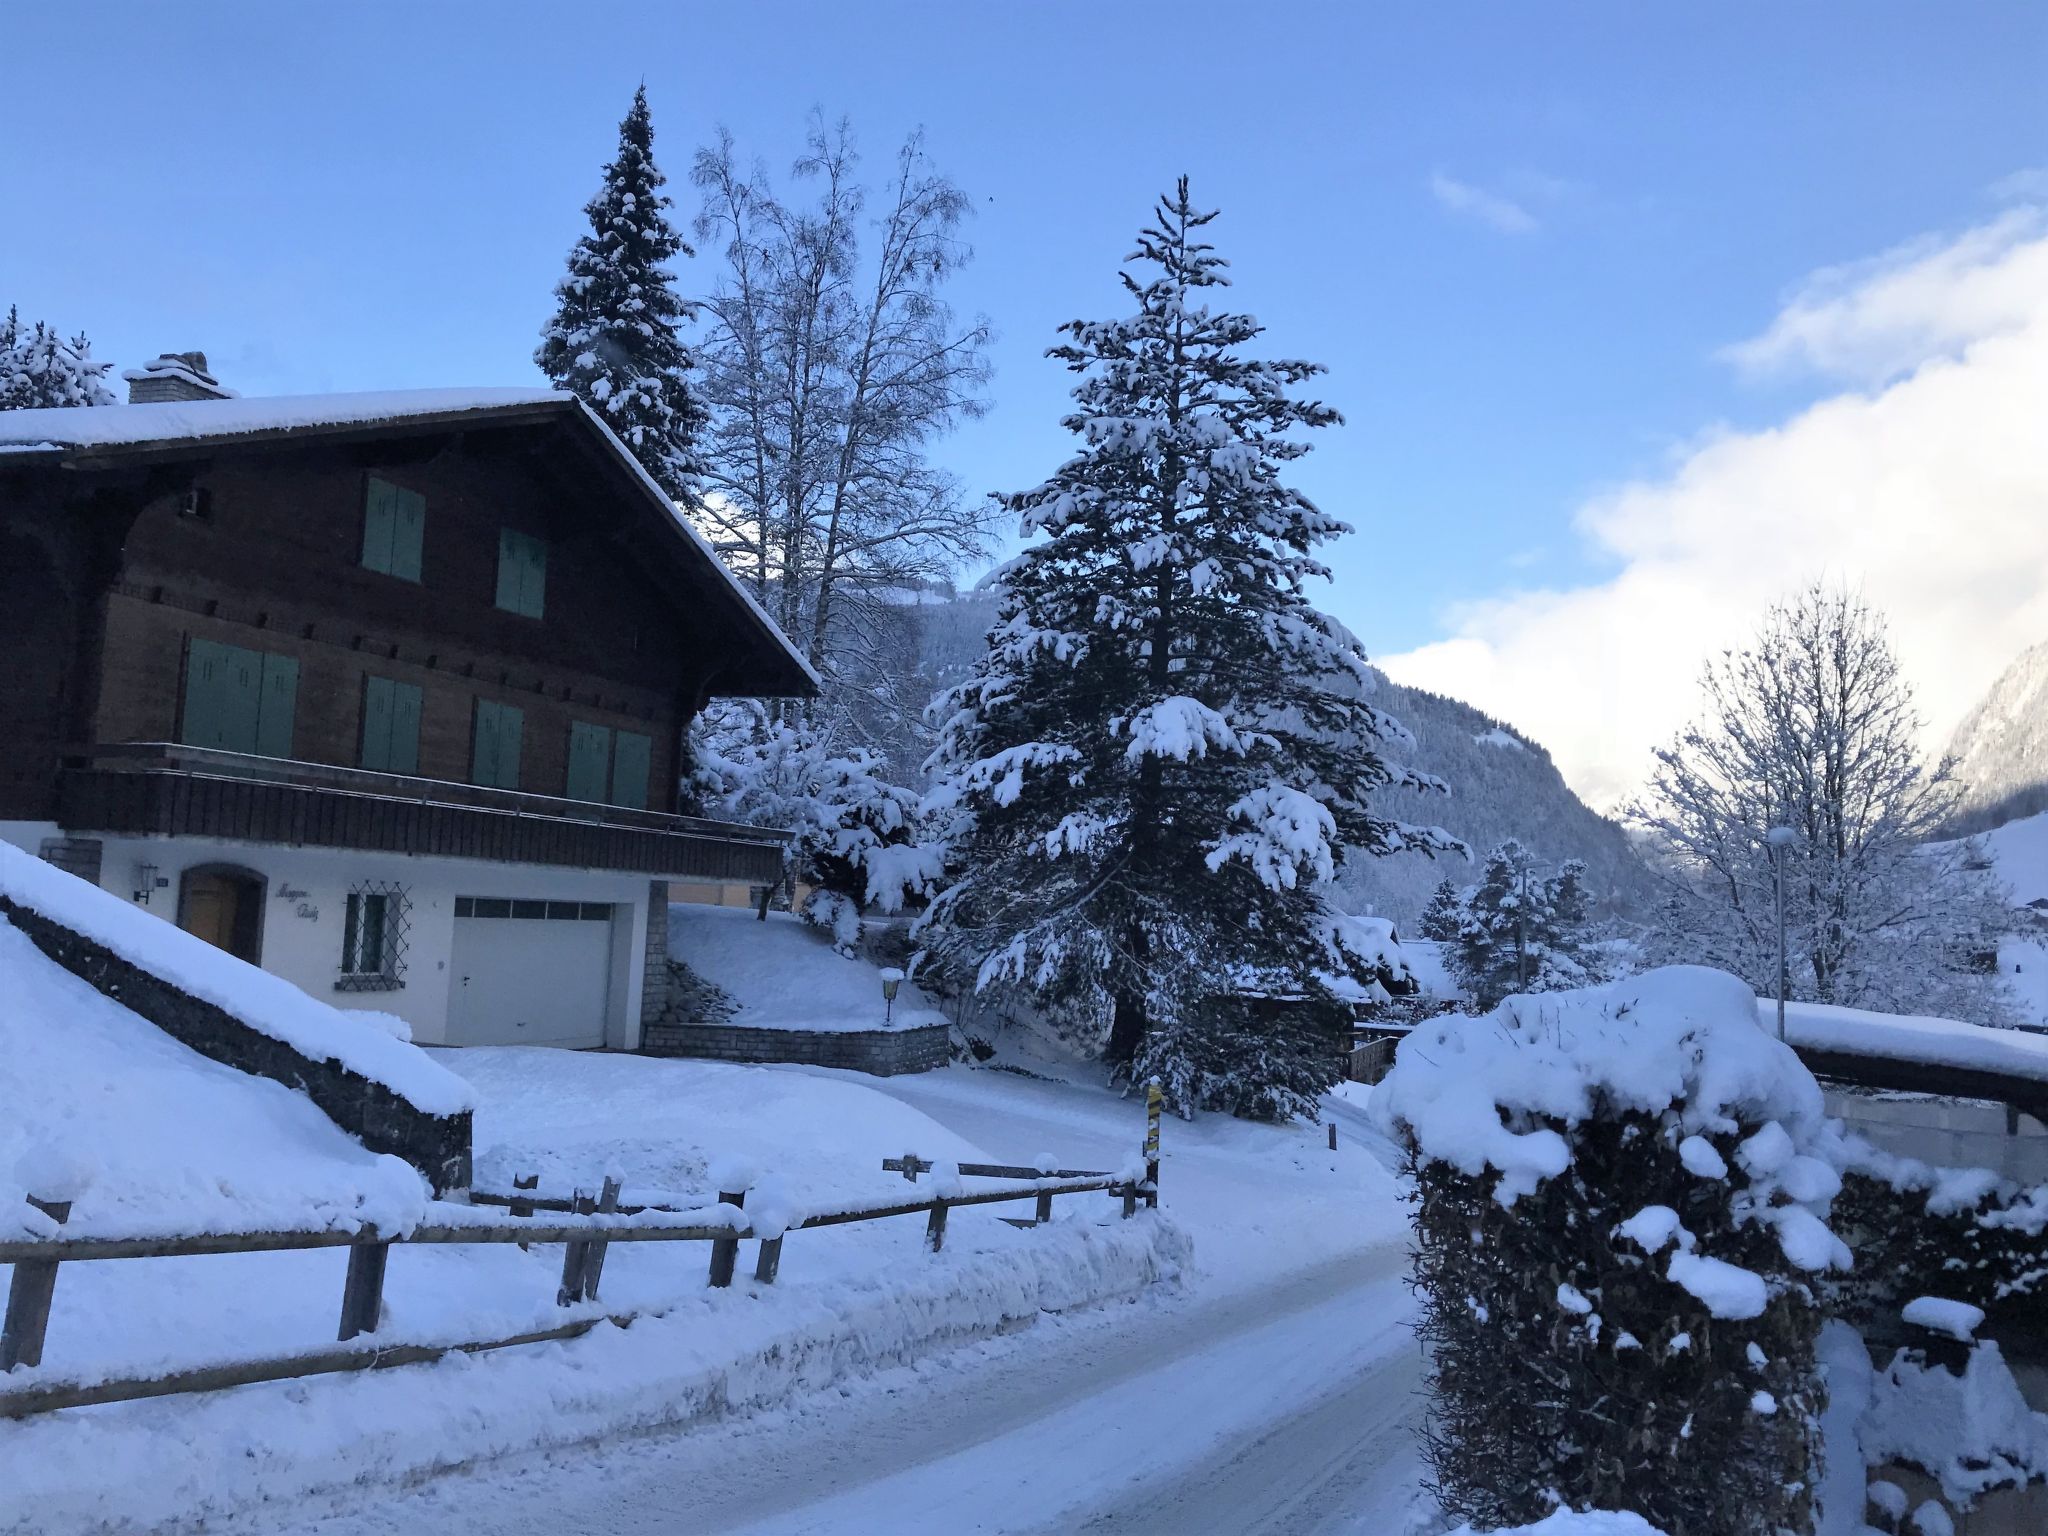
{"points": [[223, 904]]}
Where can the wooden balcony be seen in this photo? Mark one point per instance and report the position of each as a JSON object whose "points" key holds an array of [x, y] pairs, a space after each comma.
{"points": [[162, 789]]}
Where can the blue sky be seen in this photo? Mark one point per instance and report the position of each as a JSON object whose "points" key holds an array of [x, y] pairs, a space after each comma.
{"points": [[1516, 234]]}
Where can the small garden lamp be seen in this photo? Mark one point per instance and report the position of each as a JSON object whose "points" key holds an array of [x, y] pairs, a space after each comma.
{"points": [[891, 980]]}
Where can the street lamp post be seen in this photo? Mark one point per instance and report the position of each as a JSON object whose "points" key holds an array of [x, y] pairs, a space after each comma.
{"points": [[1780, 839], [891, 980]]}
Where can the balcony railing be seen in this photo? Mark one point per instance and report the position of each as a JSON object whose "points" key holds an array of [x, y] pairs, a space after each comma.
{"points": [[167, 789]]}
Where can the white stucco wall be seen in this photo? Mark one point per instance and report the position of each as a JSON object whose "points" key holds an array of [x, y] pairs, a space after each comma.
{"points": [[305, 896]]}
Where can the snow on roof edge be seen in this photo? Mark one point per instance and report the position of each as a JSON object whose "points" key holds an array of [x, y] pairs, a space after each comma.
{"points": [[82, 428], [703, 545]]}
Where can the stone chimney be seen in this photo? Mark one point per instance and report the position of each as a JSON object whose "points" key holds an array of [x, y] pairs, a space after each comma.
{"points": [[174, 376]]}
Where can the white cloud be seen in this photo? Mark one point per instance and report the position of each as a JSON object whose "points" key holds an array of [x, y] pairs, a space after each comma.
{"points": [[1876, 320], [1502, 213], [2023, 186], [1929, 492]]}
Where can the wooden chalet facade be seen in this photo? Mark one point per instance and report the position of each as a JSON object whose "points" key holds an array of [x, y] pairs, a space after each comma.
{"points": [[383, 692]]}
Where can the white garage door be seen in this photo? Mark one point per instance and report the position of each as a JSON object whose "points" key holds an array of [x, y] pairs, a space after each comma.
{"points": [[530, 972]]}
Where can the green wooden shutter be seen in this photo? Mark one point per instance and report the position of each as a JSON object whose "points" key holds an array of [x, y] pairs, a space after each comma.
{"points": [[408, 532], [376, 750], [590, 750], [405, 728], [277, 707], [533, 585], [202, 723], [630, 762], [379, 517], [509, 577], [241, 699], [511, 723]]}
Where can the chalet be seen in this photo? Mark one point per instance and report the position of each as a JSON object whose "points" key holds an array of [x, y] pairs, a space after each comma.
{"points": [[383, 692]]}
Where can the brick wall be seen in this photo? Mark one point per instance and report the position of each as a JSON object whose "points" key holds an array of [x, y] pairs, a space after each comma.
{"points": [[882, 1052]]}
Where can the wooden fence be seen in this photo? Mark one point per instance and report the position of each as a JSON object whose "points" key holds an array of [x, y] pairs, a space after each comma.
{"points": [[583, 1224]]}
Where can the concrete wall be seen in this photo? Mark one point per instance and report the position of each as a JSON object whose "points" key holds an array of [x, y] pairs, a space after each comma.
{"points": [[306, 892], [1949, 1133], [883, 1052]]}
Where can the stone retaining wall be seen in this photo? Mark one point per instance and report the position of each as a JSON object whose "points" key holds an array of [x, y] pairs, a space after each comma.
{"points": [[883, 1052], [437, 1145]]}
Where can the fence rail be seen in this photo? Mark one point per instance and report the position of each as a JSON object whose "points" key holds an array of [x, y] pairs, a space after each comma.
{"points": [[584, 1225]]}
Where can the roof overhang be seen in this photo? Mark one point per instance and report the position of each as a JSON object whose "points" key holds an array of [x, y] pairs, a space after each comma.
{"points": [[83, 440]]}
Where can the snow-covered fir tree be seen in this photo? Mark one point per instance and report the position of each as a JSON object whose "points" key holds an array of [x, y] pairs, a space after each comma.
{"points": [[856, 841], [614, 340], [39, 367], [1166, 750], [1440, 919], [1520, 929]]}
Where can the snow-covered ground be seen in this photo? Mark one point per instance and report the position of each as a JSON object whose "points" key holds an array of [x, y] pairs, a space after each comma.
{"points": [[1275, 1389], [784, 974]]}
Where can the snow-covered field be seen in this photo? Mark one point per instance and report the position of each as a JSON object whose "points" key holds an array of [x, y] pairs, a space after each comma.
{"points": [[784, 974]]}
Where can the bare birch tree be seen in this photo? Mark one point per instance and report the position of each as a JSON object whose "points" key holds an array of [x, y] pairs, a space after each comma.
{"points": [[1812, 727], [831, 364]]}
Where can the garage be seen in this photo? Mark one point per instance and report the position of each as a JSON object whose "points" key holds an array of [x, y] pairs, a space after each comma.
{"points": [[529, 972]]}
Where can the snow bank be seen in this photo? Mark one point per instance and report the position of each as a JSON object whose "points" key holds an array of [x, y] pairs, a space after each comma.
{"points": [[1565, 1522], [1909, 1037], [785, 974], [153, 1138], [1972, 1432], [265, 1003], [141, 1466], [1478, 1092], [110, 426]]}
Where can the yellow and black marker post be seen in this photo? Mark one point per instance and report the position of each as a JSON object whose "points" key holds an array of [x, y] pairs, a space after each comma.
{"points": [[1154, 1100]]}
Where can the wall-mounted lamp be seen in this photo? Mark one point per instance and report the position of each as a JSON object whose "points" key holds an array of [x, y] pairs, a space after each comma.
{"points": [[146, 882]]}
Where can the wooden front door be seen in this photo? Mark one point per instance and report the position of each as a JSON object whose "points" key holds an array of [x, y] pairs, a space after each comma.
{"points": [[225, 909]]}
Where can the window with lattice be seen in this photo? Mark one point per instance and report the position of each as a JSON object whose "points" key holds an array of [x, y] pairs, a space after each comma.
{"points": [[373, 932]]}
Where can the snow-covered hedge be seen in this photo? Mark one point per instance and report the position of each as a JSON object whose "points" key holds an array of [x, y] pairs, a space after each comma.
{"points": [[1624, 1194], [1963, 1233]]}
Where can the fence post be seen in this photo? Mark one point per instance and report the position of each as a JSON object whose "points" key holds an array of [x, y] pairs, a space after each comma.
{"points": [[571, 1290], [523, 1207], [910, 1166], [1130, 1201], [1333, 1135], [28, 1299], [1044, 1211], [769, 1264], [935, 1228], [1155, 1100], [594, 1251], [362, 1293], [725, 1251]]}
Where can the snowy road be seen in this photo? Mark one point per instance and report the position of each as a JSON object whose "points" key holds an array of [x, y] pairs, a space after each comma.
{"points": [[1277, 1395], [1282, 1413]]}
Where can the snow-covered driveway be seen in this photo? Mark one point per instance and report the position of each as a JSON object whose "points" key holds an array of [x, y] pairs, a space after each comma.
{"points": [[1276, 1394]]}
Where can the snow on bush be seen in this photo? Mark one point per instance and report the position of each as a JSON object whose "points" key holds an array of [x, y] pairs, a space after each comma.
{"points": [[1624, 1202], [1565, 1522], [1962, 1233]]}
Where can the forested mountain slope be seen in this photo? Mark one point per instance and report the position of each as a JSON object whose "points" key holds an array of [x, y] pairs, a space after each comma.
{"points": [[2001, 748], [1502, 785]]}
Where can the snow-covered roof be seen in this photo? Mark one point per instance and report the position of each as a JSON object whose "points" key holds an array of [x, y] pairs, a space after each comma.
{"points": [[83, 428], [71, 433]]}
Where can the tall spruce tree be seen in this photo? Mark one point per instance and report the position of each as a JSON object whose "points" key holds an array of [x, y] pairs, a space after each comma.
{"points": [[1167, 750], [40, 368], [613, 340]]}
